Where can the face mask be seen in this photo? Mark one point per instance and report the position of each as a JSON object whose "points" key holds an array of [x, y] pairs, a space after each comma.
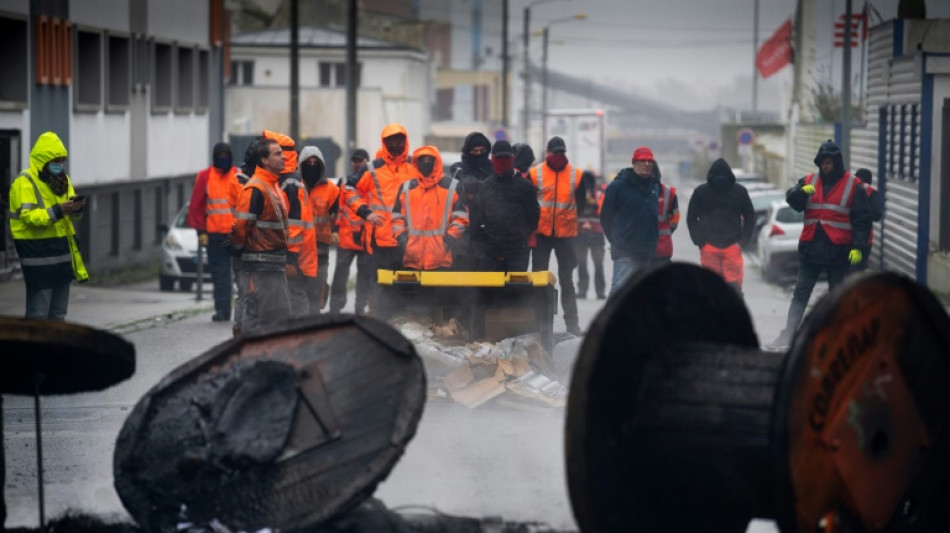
{"points": [[557, 161], [311, 173], [426, 166], [222, 163], [55, 168], [502, 165]]}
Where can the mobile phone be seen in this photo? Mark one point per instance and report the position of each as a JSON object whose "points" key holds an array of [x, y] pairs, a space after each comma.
{"points": [[79, 198]]}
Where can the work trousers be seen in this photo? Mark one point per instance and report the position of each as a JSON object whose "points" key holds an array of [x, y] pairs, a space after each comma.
{"points": [[341, 275], [299, 298], [727, 262], [219, 263], [624, 269], [50, 302], [514, 263], [566, 254], [583, 277], [807, 277], [265, 298], [318, 290], [386, 258]]}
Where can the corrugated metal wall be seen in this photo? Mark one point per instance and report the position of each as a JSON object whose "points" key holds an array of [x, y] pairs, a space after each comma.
{"points": [[891, 145]]}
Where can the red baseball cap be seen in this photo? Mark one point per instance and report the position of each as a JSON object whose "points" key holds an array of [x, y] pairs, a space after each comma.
{"points": [[643, 154]]}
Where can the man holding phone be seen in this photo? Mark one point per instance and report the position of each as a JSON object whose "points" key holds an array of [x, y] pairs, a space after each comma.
{"points": [[43, 206]]}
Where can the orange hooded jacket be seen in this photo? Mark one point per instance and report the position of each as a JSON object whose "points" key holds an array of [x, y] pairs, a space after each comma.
{"points": [[428, 210], [375, 191], [301, 242]]}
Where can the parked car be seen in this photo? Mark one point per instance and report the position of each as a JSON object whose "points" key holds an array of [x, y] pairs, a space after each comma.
{"points": [[778, 241], [761, 201], [180, 255]]}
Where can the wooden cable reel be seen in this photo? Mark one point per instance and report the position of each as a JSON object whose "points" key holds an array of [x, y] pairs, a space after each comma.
{"points": [[678, 422]]}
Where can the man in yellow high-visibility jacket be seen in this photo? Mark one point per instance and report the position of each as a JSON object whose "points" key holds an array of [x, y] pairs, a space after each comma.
{"points": [[43, 206]]}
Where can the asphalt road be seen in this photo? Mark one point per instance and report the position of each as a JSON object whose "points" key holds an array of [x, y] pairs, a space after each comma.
{"points": [[493, 461]]}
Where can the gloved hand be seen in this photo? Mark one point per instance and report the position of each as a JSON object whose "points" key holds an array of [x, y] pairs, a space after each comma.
{"points": [[855, 256], [335, 239], [808, 189], [291, 271], [203, 239], [402, 240]]}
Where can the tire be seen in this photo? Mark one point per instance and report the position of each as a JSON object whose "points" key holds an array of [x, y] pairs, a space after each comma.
{"points": [[166, 283], [185, 285]]}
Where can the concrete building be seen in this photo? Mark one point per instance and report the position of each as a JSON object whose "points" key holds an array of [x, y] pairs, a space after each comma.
{"points": [[129, 86], [393, 86]]}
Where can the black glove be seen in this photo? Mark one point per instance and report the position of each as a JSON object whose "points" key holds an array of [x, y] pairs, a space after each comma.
{"points": [[403, 240], [451, 243]]}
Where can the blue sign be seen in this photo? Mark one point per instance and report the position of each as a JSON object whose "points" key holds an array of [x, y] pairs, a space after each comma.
{"points": [[745, 137], [500, 134]]}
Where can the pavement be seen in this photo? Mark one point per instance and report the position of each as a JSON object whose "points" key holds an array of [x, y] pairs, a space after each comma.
{"points": [[120, 309]]}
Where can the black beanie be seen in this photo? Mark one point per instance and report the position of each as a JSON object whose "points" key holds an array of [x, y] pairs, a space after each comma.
{"points": [[864, 174]]}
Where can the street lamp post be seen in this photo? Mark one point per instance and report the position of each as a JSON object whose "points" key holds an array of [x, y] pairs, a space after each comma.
{"points": [[525, 118], [544, 65]]}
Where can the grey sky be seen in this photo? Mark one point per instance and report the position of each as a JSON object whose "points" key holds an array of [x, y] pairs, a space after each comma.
{"points": [[690, 53]]}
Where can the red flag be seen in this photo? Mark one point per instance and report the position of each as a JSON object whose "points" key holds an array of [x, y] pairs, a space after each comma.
{"points": [[776, 52]]}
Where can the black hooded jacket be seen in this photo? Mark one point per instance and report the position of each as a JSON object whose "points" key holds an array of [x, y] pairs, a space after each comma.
{"points": [[524, 158], [471, 171], [720, 212], [504, 214], [820, 250]]}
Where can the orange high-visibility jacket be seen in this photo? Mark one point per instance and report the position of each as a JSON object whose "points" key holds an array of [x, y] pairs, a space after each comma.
{"points": [[428, 209], [213, 199], [375, 191], [323, 197], [301, 245], [669, 219], [349, 224], [831, 209], [260, 226], [556, 197]]}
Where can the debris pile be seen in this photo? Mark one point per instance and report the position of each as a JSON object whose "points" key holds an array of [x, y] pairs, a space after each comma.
{"points": [[517, 370]]}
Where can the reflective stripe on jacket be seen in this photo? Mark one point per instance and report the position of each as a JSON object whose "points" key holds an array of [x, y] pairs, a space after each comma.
{"points": [[213, 198], [301, 244], [556, 198], [667, 221], [831, 209], [349, 225], [428, 210], [44, 238], [323, 196], [261, 237]]}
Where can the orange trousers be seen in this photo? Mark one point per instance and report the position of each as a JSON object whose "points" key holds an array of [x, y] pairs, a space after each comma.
{"points": [[727, 262]]}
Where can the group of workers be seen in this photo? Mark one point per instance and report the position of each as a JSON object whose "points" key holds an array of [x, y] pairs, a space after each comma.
{"points": [[274, 218]]}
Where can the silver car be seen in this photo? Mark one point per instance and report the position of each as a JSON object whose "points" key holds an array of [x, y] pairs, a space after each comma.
{"points": [[778, 241], [180, 256]]}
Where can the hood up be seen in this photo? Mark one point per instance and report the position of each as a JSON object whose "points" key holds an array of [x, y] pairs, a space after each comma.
{"points": [[830, 149], [47, 148], [524, 156], [287, 144], [389, 131], [437, 172], [720, 174]]}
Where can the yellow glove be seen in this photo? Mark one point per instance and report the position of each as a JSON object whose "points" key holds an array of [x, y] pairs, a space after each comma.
{"points": [[203, 239], [335, 239], [855, 256], [808, 189]]}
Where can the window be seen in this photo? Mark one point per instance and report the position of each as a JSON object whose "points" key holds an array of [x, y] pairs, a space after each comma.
{"points": [[242, 73], [334, 74], [119, 72], [88, 90], [13, 41], [162, 78], [186, 80], [204, 77], [137, 223]]}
